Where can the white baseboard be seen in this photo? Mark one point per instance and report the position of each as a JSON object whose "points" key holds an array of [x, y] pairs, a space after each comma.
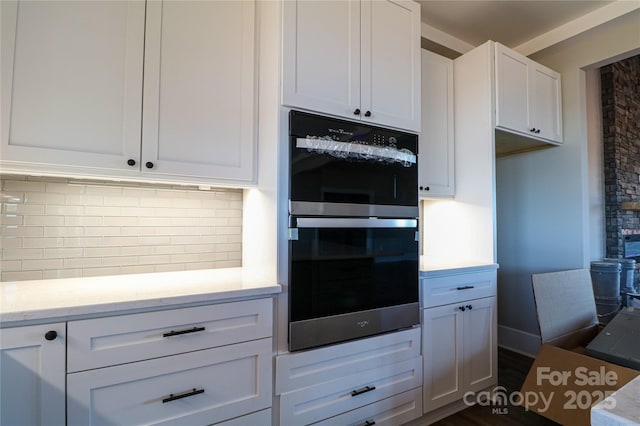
{"points": [[518, 341]]}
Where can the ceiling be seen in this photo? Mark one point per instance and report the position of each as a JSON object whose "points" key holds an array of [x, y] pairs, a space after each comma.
{"points": [[510, 22]]}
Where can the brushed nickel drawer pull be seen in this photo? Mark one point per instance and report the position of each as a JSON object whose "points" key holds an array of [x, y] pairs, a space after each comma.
{"points": [[177, 333], [362, 390], [173, 397]]}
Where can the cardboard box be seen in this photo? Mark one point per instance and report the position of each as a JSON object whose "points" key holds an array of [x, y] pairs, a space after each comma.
{"points": [[563, 382]]}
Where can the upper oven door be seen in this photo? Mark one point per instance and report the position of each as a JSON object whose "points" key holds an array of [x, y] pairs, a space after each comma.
{"points": [[343, 265], [339, 162]]}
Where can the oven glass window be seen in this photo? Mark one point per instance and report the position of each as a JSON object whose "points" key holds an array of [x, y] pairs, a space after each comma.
{"points": [[341, 162], [342, 270]]}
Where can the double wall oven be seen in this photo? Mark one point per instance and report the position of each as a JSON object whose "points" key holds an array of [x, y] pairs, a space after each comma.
{"points": [[353, 231]]}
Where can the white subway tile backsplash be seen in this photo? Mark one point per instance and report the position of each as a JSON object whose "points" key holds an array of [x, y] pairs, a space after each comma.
{"points": [[64, 231], [21, 231], [61, 228], [21, 275], [35, 242], [22, 253], [65, 210], [83, 221], [41, 264]]}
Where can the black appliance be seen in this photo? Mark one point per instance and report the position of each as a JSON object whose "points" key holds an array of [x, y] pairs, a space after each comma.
{"points": [[353, 231]]}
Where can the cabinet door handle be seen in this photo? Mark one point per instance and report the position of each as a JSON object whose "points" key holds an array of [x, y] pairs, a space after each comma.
{"points": [[466, 287], [173, 397], [148, 165], [179, 332], [537, 130], [367, 114], [462, 308], [131, 162], [368, 423], [469, 307], [357, 111], [533, 129], [51, 335], [362, 390]]}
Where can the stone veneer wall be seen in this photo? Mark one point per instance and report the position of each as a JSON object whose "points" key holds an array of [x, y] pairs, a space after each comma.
{"points": [[63, 228], [620, 83]]}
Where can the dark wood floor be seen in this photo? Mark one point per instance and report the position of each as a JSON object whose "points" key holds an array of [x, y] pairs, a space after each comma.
{"points": [[512, 370]]}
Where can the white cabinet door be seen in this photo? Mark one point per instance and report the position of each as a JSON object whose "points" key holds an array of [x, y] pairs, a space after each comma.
{"points": [[442, 347], [32, 375], [480, 344], [546, 112], [528, 96], [391, 63], [512, 85], [72, 83], [357, 59], [459, 350], [436, 142], [199, 101], [321, 56]]}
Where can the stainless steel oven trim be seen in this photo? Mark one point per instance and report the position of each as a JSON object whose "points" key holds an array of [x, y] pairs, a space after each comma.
{"points": [[339, 328], [330, 222], [310, 208]]}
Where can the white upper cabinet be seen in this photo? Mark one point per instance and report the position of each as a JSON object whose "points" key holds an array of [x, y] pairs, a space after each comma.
{"points": [[436, 142], [72, 82], [198, 117], [357, 59], [73, 89], [528, 96]]}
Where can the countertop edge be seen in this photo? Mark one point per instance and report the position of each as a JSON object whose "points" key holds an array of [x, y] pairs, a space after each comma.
{"points": [[455, 270], [69, 313]]}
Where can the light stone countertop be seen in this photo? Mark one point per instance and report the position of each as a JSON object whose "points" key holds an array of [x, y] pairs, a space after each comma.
{"points": [[41, 301], [625, 410]]}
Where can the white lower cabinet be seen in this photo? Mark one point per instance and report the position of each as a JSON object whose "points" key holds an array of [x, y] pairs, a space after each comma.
{"points": [[459, 341], [199, 365], [397, 410], [200, 387], [32, 375], [353, 383]]}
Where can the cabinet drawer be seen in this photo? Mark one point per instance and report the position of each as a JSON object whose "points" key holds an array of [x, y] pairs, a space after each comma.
{"points": [[298, 370], [141, 392], [328, 399], [102, 342], [397, 410], [445, 289]]}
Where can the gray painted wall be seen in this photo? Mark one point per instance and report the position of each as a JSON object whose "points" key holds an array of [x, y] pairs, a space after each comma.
{"points": [[545, 210]]}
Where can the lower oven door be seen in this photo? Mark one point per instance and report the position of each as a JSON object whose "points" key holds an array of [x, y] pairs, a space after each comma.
{"points": [[350, 278]]}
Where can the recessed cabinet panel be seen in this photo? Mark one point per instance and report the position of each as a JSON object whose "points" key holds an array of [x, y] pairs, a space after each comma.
{"points": [[480, 343], [101, 342], [32, 375], [201, 387], [547, 114], [391, 63], [512, 80], [72, 82], [321, 56], [442, 341], [199, 79], [436, 141]]}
